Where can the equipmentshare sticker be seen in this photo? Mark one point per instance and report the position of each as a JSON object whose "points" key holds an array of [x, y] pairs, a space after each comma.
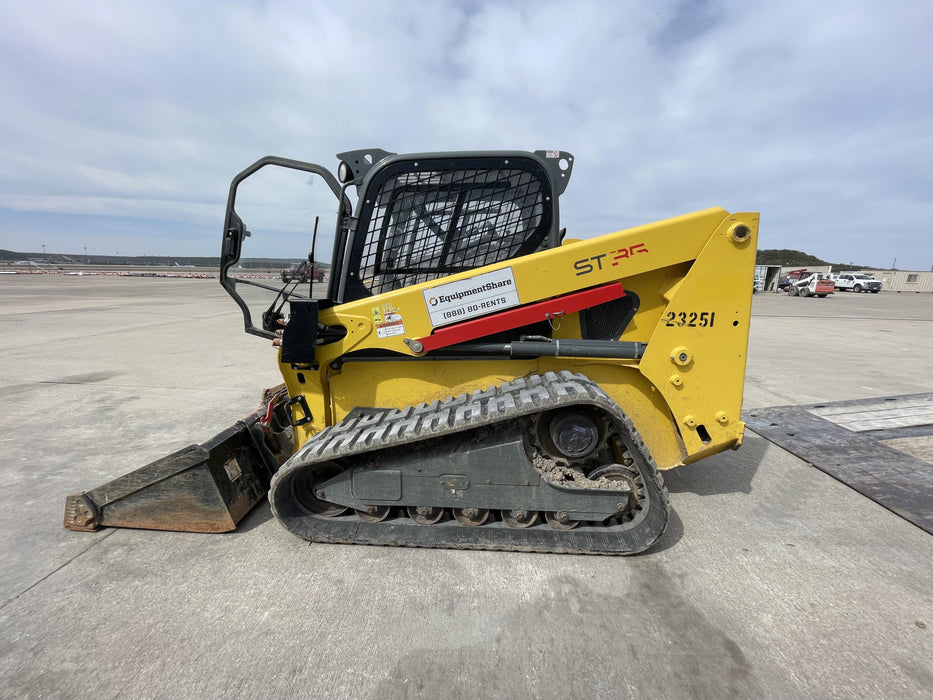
{"points": [[477, 296]]}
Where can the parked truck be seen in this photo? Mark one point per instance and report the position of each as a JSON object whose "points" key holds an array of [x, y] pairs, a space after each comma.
{"points": [[857, 282], [792, 277], [303, 272]]}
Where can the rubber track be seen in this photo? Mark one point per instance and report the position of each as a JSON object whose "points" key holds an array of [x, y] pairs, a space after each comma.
{"points": [[525, 396]]}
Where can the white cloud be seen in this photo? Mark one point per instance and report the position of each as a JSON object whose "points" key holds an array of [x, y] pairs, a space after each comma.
{"points": [[816, 114]]}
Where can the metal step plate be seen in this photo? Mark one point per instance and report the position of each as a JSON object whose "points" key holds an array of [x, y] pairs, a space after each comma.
{"points": [[882, 448]]}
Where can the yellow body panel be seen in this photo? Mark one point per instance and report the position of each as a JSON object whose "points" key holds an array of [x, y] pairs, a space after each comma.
{"points": [[693, 275]]}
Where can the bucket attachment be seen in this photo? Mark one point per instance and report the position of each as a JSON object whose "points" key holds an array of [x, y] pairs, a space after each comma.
{"points": [[201, 488]]}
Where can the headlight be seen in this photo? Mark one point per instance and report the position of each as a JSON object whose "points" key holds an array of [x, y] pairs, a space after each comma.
{"points": [[344, 172]]}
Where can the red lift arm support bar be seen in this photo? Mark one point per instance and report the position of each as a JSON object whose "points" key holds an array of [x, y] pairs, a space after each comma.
{"points": [[522, 316]]}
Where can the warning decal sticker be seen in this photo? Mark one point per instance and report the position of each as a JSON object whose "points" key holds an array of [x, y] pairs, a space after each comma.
{"points": [[388, 321]]}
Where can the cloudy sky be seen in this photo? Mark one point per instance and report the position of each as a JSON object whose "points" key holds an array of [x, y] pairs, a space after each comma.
{"points": [[123, 122]]}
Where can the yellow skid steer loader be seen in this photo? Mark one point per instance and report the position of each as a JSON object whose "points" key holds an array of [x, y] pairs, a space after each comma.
{"points": [[466, 376]]}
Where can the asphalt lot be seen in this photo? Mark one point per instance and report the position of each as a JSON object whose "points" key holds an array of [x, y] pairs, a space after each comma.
{"points": [[773, 580]]}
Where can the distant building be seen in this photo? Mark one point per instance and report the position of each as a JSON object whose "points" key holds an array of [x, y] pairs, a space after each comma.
{"points": [[903, 280]]}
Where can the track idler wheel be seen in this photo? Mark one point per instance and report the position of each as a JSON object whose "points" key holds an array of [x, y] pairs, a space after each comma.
{"points": [[471, 517], [310, 496], [627, 479], [374, 514], [424, 515], [519, 518], [560, 520]]}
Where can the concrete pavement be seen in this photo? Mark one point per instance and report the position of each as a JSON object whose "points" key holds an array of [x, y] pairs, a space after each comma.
{"points": [[774, 580]]}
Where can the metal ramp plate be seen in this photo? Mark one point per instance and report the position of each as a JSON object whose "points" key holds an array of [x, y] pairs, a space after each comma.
{"points": [[882, 448]]}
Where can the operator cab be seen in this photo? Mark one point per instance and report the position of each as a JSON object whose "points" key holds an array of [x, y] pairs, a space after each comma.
{"points": [[389, 221]]}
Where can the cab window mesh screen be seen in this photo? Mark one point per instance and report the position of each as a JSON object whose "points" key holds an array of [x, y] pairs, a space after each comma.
{"points": [[431, 223]]}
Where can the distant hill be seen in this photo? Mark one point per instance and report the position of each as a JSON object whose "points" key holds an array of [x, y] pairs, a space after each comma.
{"points": [[797, 258]]}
